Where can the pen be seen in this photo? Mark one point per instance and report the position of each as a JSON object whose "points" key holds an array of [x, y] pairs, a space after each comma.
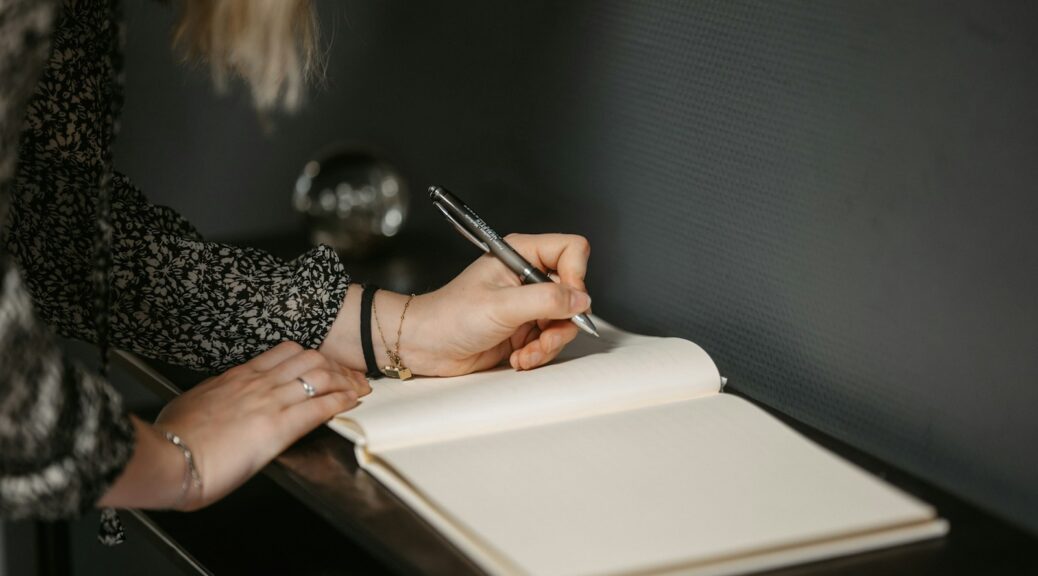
{"points": [[479, 233]]}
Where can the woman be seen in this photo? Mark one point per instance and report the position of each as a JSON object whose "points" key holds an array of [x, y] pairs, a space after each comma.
{"points": [[91, 258]]}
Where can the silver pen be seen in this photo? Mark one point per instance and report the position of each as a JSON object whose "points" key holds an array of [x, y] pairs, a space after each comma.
{"points": [[479, 233]]}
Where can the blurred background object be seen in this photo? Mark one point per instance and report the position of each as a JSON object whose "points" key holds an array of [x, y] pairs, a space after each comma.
{"points": [[351, 200]]}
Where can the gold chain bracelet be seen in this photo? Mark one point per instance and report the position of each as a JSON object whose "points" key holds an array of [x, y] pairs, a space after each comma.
{"points": [[396, 368]]}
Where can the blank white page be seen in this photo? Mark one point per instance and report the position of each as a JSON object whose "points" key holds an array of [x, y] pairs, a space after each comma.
{"points": [[618, 371], [680, 484]]}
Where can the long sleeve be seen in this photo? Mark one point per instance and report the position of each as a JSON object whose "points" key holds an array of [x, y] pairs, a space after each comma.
{"points": [[173, 296], [64, 436], [208, 305]]}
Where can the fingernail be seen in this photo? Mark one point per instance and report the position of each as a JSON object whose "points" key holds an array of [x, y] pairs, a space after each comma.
{"points": [[579, 301], [534, 358], [554, 341]]}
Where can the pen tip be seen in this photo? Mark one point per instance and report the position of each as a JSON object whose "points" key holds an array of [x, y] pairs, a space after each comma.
{"points": [[585, 324]]}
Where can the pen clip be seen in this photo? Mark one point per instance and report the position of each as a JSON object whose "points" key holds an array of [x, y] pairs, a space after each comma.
{"points": [[482, 245]]}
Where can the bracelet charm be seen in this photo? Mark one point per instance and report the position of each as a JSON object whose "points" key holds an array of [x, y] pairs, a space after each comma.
{"points": [[401, 372]]}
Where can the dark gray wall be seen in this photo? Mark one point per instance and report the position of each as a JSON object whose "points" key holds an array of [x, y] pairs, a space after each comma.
{"points": [[454, 94], [837, 200]]}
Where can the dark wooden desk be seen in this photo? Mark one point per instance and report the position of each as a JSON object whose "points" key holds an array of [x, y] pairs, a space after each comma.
{"points": [[314, 511]]}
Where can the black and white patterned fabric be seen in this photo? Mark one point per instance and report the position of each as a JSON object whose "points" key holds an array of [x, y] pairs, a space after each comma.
{"points": [[88, 255]]}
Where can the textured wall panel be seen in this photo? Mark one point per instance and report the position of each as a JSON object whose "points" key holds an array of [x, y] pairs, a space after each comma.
{"points": [[838, 201]]}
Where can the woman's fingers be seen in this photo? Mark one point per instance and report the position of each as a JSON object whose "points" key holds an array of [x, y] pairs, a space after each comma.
{"points": [[295, 366], [322, 381], [550, 342], [360, 382], [351, 380], [547, 303], [524, 335], [317, 381], [567, 254], [298, 419], [260, 363], [520, 304]]}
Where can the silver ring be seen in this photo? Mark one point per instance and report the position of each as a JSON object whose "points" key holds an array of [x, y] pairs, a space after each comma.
{"points": [[308, 388]]}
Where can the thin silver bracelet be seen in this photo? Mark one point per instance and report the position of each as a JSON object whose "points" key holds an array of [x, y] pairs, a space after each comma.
{"points": [[191, 475]]}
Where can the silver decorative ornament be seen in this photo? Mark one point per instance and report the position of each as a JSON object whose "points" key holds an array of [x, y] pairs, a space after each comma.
{"points": [[351, 200]]}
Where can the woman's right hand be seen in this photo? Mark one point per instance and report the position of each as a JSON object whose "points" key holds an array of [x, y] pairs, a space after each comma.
{"points": [[234, 424]]}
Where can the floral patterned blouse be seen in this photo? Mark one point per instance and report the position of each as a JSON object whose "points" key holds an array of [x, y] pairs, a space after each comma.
{"points": [[86, 256]]}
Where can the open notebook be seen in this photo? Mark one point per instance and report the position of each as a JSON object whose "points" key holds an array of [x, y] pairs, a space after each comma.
{"points": [[622, 456]]}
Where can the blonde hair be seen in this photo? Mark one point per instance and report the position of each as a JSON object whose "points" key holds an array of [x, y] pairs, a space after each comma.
{"points": [[271, 44]]}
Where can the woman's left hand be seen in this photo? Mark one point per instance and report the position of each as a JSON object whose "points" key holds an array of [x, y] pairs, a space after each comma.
{"points": [[484, 316]]}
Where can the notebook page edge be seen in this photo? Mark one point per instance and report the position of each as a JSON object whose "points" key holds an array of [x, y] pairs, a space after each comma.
{"points": [[402, 421], [846, 545]]}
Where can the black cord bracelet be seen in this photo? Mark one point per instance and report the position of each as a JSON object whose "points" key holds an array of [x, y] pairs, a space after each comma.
{"points": [[366, 300]]}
